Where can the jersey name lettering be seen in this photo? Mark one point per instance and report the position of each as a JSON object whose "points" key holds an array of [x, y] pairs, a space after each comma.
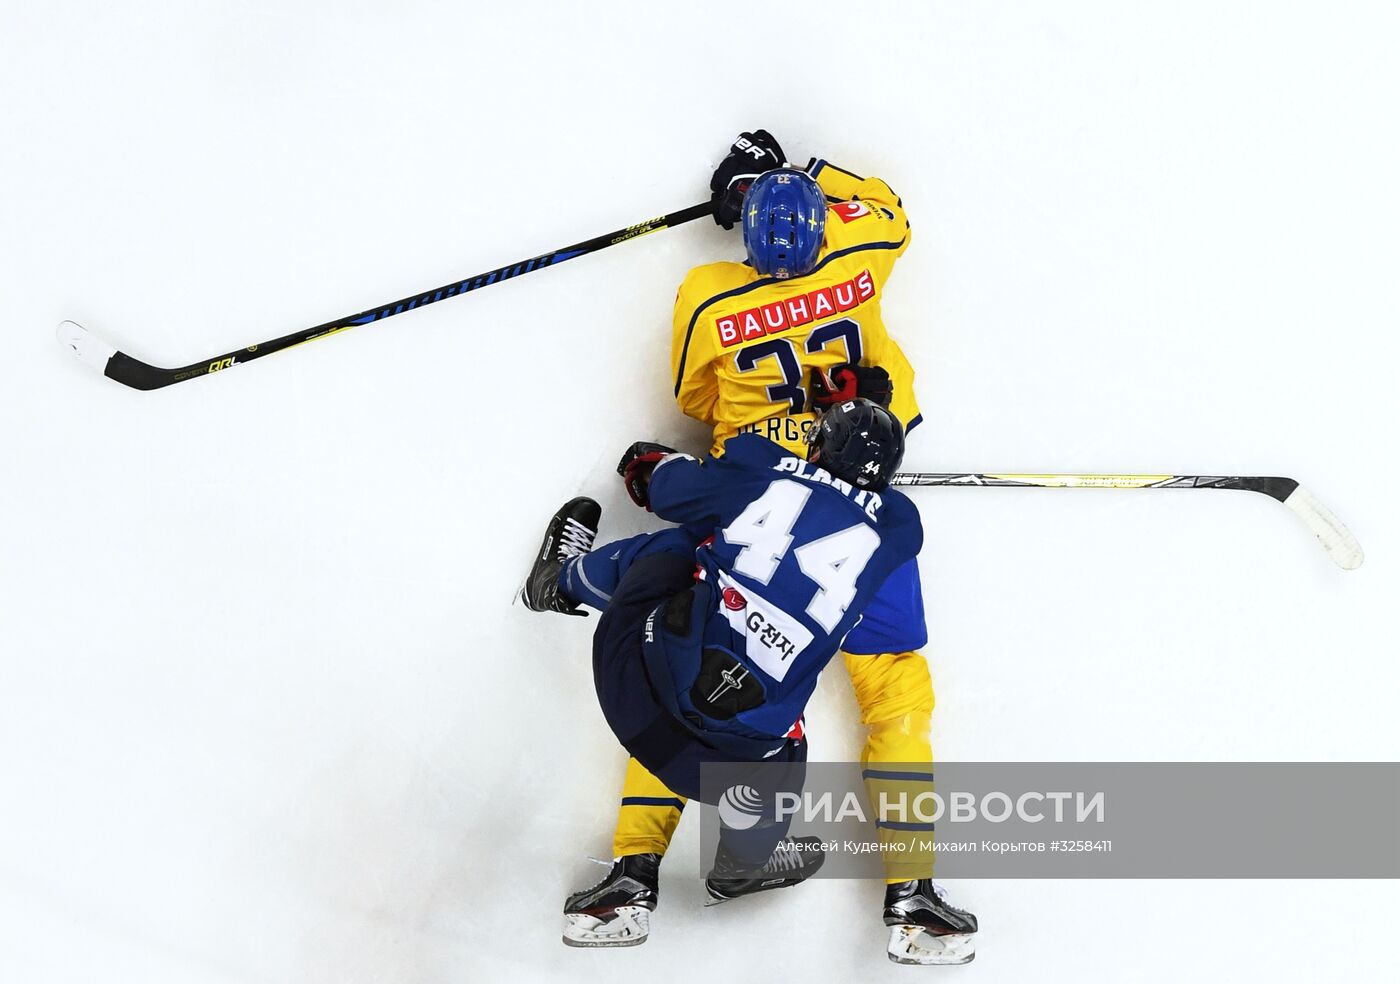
{"points": [[791, 430], [867, 500]]}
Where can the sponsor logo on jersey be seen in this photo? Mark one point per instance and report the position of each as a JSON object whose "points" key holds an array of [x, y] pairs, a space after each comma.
{"points": [[773, 639], [733, 600], [794, 312], [850, 211], [770, 635]]}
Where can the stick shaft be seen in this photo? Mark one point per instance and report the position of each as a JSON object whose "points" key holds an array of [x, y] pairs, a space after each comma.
{"points": [[1278, 488], [133, 372]]}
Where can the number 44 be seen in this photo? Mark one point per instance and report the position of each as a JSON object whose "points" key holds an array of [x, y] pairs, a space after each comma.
{"points": [[834, 562]]}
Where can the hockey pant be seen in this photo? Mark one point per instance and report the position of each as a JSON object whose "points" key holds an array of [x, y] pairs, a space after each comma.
{"points": [[637, 576]]}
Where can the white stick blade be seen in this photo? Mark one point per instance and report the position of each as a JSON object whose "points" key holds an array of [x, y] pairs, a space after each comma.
{"points": [[85, 345], [1340, 545]]}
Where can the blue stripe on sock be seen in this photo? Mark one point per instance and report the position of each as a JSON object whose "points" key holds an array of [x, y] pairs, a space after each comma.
{"points": [[885, 774], [653, 801]]}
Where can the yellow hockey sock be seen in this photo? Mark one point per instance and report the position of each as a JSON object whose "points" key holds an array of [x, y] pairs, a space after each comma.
{"points": [[648, 814], [896, 701]]}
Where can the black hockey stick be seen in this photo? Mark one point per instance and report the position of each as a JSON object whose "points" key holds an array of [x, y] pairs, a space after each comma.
{"points": [[1336, 539], [140, 375]]}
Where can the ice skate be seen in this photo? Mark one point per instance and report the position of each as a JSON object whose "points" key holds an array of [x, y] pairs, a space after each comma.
{"points": [[617, 910], [794, 860], [925, 928], [571, 533]]}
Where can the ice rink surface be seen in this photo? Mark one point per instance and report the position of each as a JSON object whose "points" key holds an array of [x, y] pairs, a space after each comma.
{"points": [[267, 714]]}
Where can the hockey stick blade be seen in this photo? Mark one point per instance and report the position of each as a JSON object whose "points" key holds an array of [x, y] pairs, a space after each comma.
{"points": [[119, 366], [85, 345], [1335, 538]]}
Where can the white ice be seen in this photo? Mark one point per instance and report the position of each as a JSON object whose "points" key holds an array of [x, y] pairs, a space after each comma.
{"points": [[267, 713]]}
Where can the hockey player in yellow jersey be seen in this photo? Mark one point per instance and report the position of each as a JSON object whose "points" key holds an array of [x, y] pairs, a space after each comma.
{"points": [[744, 345], [761, 346]]}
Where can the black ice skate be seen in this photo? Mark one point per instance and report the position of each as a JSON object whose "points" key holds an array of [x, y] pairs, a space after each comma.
{"points": [[924, 927], [794, 860], [570, 533], [617, 910]]}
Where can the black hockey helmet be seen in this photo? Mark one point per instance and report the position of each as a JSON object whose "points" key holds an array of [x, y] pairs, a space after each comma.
{"points": [[859, 442]]}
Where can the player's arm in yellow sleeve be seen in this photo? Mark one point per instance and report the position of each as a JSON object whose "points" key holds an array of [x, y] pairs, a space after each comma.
{"points": [[692, 371], [882, 220], [841, 185], [887, 354]]}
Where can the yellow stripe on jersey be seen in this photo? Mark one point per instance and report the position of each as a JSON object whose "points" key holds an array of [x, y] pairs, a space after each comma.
{"points": [[743, 346]]}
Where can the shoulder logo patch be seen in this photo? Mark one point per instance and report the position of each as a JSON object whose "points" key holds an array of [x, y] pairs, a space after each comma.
{"points": [[850, 211]]}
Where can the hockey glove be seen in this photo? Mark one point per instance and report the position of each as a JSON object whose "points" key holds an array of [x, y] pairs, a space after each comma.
{"points": [[849, 382], [635, 469], [749, 156]]}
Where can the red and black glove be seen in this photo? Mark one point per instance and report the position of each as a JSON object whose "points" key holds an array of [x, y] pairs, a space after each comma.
{"points": [[849, 382], [749, 156], [636, 466]]}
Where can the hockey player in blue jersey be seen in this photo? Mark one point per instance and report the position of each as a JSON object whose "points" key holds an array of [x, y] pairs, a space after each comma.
{"points": [[714, 632]]}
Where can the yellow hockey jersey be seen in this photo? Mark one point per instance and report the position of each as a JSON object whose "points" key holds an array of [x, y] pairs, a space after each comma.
{"points": [[743, 346]]}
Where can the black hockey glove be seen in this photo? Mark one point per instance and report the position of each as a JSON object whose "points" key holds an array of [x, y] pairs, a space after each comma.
{"points": [[635, 469], [849, 382], [749, 156]]}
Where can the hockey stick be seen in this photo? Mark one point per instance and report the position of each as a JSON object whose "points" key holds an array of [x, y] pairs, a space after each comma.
{"points": [[140, 375], [1336, 539]]}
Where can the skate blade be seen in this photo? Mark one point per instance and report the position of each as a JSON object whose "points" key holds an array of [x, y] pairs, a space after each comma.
{"points": [[909, 944], [629, 926], [773, 884]]}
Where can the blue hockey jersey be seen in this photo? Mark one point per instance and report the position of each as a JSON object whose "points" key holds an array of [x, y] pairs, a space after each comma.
{"points": [[794, 557]]}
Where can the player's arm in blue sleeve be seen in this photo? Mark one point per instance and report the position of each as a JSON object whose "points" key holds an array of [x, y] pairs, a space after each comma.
{"points": [[682, 490], [902, 528]]}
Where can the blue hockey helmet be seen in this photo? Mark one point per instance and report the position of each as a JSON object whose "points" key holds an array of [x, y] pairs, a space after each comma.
{"points": [[784, 221], [859, 442]]}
